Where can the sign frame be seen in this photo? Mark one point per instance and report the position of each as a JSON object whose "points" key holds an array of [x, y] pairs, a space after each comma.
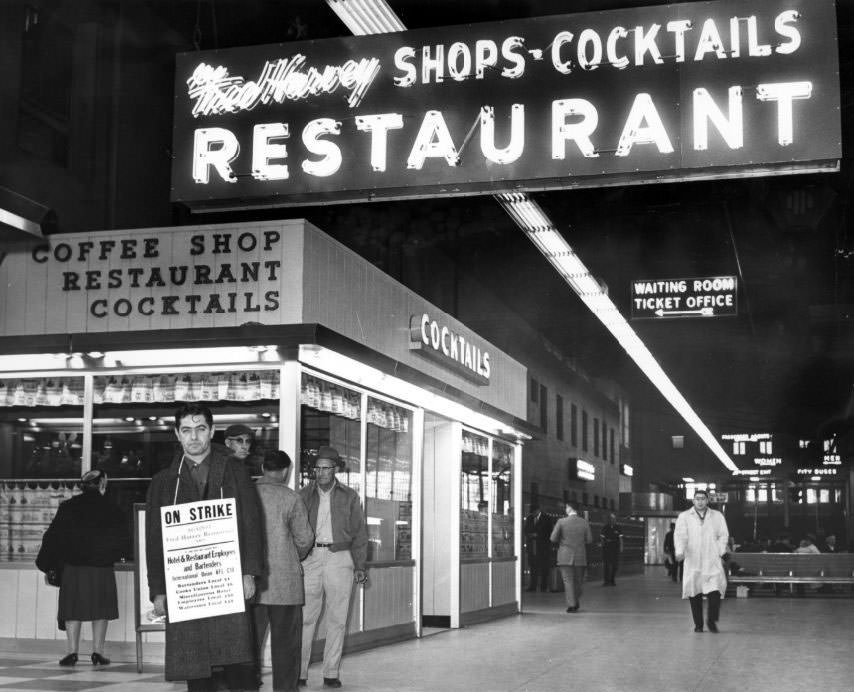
{"points": [[682, 298], [437, 112]]}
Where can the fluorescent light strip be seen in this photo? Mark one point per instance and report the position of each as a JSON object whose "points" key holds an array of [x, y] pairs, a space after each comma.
{"points": [[555, 249], [367, 16], [376, 17]]}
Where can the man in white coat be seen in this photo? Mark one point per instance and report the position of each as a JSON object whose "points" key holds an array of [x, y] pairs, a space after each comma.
{"points": [[701, 541]]}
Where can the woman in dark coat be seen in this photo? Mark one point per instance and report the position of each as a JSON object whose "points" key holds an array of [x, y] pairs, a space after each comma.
{"points": [[87, 536]]}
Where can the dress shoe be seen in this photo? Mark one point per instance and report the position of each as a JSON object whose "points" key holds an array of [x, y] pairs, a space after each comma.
{"points": [[713, 626], [302, 682], [69, 660], [331, 682], [98, 660], [698, 628], [572, 609]]}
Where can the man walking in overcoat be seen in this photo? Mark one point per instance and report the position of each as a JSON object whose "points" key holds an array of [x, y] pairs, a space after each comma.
{"points": [[278, 603], [701, 538], [199, 472]]}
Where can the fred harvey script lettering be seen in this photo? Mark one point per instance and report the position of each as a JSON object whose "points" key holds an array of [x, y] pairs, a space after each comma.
{"points": [[215, 91]]}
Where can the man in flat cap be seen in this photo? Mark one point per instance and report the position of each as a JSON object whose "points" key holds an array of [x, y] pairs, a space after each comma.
{"points": [[334, 564], [238, 439]]}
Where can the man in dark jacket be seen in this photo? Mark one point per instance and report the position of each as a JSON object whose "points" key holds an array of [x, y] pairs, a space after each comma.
{"points": [[335, 562], [200, 472], [538, 528]]}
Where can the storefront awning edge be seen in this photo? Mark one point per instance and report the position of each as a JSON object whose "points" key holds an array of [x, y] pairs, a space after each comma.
{"points": [[287, 338]]}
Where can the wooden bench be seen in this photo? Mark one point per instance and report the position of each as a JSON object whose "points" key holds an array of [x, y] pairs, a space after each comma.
{"points": [[791, 568]]}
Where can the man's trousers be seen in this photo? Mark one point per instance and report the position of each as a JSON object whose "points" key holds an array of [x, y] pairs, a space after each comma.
{"points": [[573, 581], [328, 576], [714, 608], [285, 625]]}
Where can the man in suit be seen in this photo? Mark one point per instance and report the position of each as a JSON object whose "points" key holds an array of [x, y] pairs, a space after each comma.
{"points": [[538, 528], [572, 534]]}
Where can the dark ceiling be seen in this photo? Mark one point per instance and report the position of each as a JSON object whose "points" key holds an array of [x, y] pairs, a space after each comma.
{"points": [[786, 362]]}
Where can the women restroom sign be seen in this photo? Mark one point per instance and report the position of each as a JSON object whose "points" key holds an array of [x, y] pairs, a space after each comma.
{"points": [[713, 296]]}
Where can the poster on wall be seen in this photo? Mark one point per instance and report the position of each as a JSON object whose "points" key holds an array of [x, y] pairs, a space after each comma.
{"points": [[202, 559]]}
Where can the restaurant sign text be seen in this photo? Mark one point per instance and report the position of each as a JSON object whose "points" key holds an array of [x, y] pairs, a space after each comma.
{"points": [[715, 89]]}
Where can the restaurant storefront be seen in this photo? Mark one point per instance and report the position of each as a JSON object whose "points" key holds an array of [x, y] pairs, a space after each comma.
{"points": [[279, 327]]}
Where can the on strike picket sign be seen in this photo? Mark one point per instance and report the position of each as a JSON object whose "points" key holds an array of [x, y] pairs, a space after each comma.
{"points": [[202, 558]]}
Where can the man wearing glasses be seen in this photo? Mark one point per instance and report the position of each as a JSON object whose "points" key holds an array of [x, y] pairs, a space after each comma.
{"points": [[334, 564], [238, 439]]}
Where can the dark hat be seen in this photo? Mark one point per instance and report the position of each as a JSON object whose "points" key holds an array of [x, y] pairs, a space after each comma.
{"points": [[93, 476], [238, 429], [328, 453]]}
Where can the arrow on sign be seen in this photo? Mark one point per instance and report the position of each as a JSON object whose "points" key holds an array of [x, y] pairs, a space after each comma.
{"points": [[705, 312]]}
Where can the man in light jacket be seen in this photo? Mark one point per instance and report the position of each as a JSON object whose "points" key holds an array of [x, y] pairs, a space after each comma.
{"points": [[336, 561], [701, 539], [572, 534], [280, 593]]}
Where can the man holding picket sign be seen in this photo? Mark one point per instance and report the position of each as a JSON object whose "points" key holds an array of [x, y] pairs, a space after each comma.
{"points": [[205, 508]]}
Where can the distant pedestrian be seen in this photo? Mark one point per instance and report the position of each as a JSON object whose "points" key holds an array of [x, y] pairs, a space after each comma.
{"points": [[670, 553], [701, 538], [538, 548], [572, 534], [611, 538]]}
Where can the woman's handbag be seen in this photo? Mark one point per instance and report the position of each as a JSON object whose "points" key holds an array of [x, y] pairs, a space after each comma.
{"points": [[54, 577], [49, 560]]}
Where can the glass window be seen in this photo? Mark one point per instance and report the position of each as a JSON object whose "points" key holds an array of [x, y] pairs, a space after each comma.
{"points": [[544, 408], [595, 436], [559, 417], [613, 455], [41, 427], [331, 415], [41, 445], [388, 481], [573, 425], [583, 430], [133, 426], [535, 390], [604, 440], [502, 500], [474, 503]]}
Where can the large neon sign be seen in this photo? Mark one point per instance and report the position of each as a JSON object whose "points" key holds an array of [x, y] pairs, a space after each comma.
{"points": [[695, 90]]}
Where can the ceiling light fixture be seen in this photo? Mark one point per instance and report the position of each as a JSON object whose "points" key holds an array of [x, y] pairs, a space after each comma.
{"points": [[376, 17]]}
